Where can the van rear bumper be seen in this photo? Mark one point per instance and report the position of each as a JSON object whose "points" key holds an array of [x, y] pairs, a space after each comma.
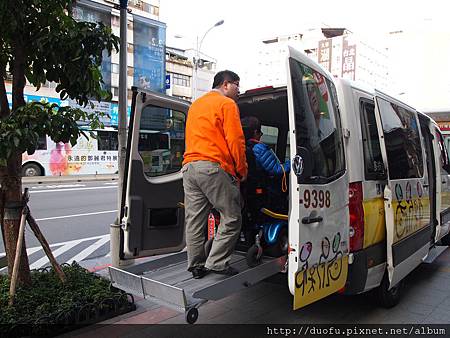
{"points": [[366, 262], [357, 273]]}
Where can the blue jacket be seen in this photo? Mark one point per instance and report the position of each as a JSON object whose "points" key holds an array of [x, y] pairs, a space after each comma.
{"points": [[267, 159]]}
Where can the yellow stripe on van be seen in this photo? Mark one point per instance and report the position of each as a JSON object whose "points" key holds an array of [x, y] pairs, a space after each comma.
{"points": [[317, 282], [410, 216], [374, 221], [445, 200]]}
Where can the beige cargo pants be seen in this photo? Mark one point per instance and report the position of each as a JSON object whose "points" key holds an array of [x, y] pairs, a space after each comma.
{"points": [[207, 185]]}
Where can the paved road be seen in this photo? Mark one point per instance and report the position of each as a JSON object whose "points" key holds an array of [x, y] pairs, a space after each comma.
{"points": [[74, 218]]}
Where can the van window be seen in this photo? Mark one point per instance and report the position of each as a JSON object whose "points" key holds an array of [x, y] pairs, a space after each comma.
{"points": [[447, 143], [161, 140], [443, 153], [402, 139], [270, 136], [373, 161], [317, 121], [107, 140]]}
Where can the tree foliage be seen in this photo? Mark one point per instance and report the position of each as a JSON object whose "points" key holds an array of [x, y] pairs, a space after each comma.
{"points": [[55, 46], [40, 41]]}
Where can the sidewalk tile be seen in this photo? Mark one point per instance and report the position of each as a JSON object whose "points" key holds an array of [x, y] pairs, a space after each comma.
{"points": [[154, 316]]}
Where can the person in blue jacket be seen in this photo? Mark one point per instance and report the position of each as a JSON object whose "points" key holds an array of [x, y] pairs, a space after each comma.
{"points": [[264, 157], [265, 186]]}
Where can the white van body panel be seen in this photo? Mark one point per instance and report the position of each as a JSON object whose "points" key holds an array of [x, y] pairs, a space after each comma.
{"points": [[318, 255]]}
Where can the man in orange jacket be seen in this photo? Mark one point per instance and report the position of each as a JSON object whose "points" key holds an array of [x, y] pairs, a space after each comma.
{"points": [[214, 163]]}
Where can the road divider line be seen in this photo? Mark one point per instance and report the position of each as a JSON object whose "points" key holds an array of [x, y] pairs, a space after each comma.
{"points": [[44, 260], [76, 215], [30, 251], [89, 250], [68, 244], [72, 189]]}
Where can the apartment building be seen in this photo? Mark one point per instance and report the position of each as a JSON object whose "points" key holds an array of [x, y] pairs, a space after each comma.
{"points": [[338, 50]]}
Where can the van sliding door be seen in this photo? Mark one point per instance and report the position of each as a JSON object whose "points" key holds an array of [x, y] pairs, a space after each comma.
{"points": [[407, 203]]}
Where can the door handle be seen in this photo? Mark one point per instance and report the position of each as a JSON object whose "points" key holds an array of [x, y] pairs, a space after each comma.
{"points": [[309, 219], [426, 185]]}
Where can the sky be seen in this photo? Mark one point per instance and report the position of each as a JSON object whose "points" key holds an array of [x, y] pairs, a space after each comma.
{"points": [[248, 22]]}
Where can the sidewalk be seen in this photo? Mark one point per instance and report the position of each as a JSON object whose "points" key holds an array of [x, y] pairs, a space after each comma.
{"points": [[426, 300]]}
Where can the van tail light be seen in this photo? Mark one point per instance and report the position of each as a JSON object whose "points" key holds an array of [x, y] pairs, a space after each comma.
{"points": [[356, 216]]}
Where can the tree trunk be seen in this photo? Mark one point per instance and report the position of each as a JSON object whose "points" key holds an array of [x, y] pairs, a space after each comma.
{"points": [[4, 105], [11, 176], [11, 184]]}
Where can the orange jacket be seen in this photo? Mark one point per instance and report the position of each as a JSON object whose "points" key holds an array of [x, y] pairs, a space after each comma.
{"points": [[214, 133]]}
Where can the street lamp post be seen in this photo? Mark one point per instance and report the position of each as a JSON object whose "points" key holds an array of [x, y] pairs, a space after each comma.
{"points": [[197, 57]]}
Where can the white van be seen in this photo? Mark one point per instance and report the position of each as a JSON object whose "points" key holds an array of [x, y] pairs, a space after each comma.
{"points": [[399, 189], [310, 123]]}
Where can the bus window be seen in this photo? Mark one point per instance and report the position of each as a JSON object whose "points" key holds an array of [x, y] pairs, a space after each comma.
{"points": [[107, 140], [401, 134], [161, 140], [373, 161], [42, 143]]}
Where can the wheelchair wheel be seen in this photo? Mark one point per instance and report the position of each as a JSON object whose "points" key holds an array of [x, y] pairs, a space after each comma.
{"points": [[254, 255], [280, 248]]}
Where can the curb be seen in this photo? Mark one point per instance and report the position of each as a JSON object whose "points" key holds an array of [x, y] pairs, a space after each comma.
{"points": [[72, 178]]}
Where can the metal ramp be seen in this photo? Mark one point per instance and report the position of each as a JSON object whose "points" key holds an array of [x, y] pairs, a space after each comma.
{"points": [[434, 253], [167, 282]]}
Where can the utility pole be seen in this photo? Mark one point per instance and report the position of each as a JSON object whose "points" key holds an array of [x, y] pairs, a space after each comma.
{"points": [[122, 133]]}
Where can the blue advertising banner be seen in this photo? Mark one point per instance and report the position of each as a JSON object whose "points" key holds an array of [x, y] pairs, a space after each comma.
{"points": [[149, 39], [94, 13]]}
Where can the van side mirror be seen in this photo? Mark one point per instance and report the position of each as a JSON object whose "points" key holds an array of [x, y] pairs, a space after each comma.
{"points": [[301, 164]]}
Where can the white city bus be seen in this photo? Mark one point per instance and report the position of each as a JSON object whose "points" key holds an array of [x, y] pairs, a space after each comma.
{"points": [[94, 154]]}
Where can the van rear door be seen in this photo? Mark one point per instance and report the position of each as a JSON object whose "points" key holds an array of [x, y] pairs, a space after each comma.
{"points": [[318, 217], [406, 195], [153, 218]]}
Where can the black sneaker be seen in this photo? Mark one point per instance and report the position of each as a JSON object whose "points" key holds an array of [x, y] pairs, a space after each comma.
{"points": [[199, 272], [229, 271]]}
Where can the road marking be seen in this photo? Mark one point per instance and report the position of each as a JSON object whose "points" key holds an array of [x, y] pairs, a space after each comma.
{"points": [[63, 247], [72, 189], [59, 186], [44, 260], [90, 249], [30, 251], [77, 215], [110, 183]]}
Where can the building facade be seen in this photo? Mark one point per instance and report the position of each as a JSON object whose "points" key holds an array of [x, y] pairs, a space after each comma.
{"points": [[188, 75], [146, 37], [338, 50]]}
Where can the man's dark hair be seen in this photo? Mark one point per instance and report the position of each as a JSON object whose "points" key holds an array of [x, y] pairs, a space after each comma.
{"points": [[250, 124], [224, 75]]}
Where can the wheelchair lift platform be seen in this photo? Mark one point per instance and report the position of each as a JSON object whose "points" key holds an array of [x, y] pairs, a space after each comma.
{"points": [[167, 282]]}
